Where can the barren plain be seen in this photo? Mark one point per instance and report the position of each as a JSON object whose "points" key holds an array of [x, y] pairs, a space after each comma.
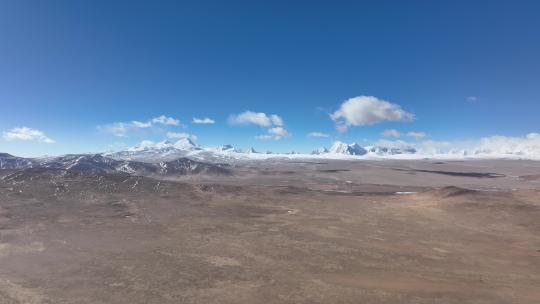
{"points": [[278, 231]]}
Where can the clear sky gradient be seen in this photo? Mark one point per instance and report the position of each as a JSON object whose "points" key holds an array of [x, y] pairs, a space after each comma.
{"points": [[465, 69]]}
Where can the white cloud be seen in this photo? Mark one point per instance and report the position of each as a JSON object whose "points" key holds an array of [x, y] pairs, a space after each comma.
{"points": [[317, 134], [256, 118], [26, 133], [367, 110], [401, 144], [279, 131], [121, 129], [180, 135], [472, 98], [275, 133], [391, 133], [273, 122], [143, 145], [276, 120], [427, 147], [341, 128], [493, 146], [164, 120], [147, 144], [267, 137], [527, 145], [397, 134], [417, 135], [203, 121], [138, 124]]}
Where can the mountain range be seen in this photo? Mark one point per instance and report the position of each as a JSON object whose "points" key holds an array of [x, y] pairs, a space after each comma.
{"points": [[99, 164], [184, 157]]}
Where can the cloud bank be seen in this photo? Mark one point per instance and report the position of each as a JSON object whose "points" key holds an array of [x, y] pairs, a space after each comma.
{"points": [[527, 146]]}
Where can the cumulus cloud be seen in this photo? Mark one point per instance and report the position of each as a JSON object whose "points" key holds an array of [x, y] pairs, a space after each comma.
{"points": [[164, 120], [138, 124], [203, 121], [276, 120], [317, 134], [275, 133], [121, 129], [256, 118], [180, 135], [367, 110], [391, 133], [416, 135], [273, 122], [267, 137], [279, 131], [27, 134]]}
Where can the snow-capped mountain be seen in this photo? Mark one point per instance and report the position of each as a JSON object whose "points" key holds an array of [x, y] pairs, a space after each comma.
{"points": [[228, 148], [149, 151], [186, 144], [164, 151], [347, 149], [167, 151], [354, 149], [8, 161], [87, 163], [319, 151], [158, 157], [99, 164]]}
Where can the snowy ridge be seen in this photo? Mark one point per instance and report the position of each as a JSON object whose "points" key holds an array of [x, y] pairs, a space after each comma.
{"points": [[495, 147], [156, 152], [347, 149], [99, 164], [8, 161]]}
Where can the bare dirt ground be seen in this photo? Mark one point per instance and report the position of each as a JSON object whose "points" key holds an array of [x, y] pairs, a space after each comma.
{"points": [[276, 232]]}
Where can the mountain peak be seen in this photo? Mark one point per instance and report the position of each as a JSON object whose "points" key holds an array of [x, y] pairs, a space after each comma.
{"points": [[320, 150], [185, 144], [348, 149], [226, 148]]}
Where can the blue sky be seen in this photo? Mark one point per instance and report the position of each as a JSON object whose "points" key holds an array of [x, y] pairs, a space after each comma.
{"points": [[68, 68]]}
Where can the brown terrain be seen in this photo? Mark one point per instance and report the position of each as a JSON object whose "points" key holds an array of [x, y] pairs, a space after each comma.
{"points": [[275, 232]]}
